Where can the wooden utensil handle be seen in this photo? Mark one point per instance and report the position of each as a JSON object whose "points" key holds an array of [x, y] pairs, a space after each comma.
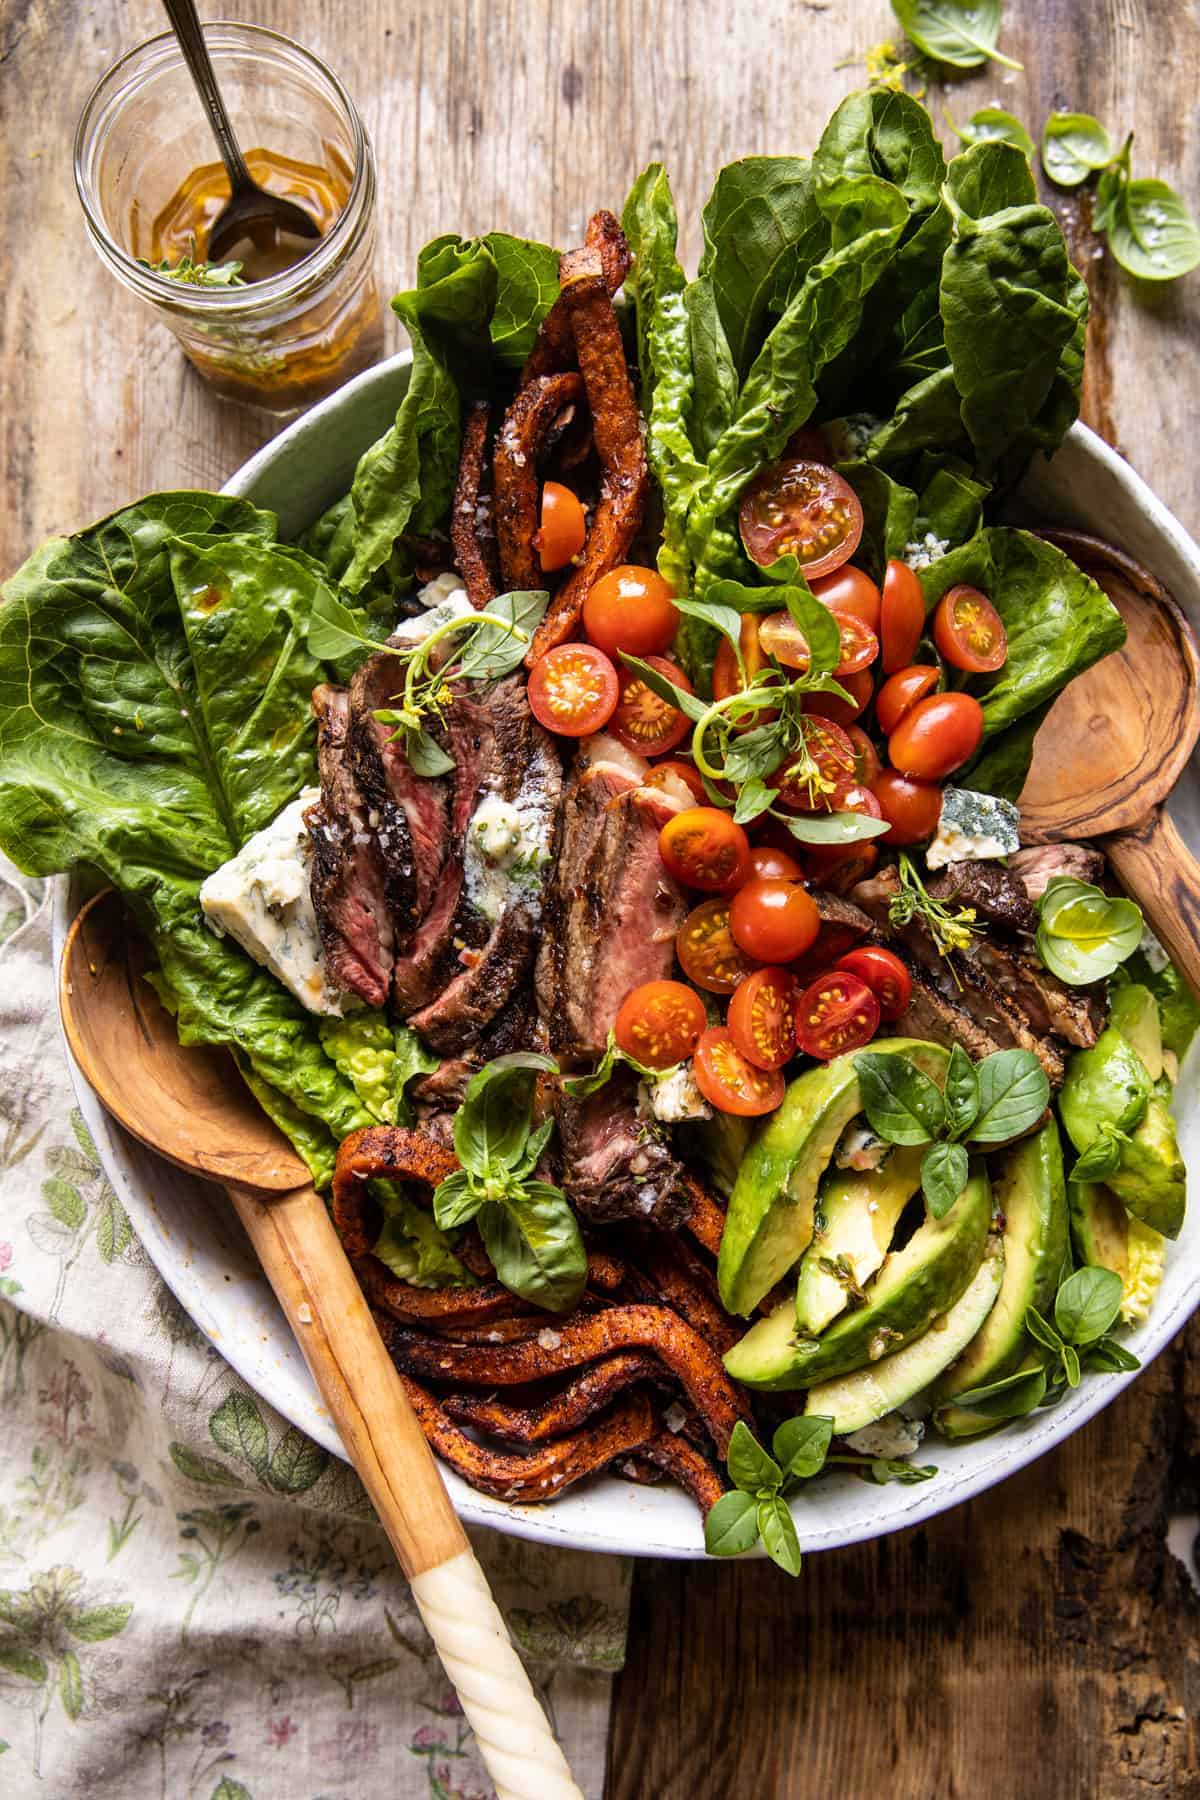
{"points": [[314, 1283], [1157, 869]]}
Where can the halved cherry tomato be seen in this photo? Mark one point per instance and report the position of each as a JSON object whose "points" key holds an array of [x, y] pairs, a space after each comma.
{"points": [[573, 690], [900, 693], [643, 720], [860, 646], [769, 863], [884, 974], [937, 736], [866, 757], [631, 609], [783, 639], [858, 798], [902, 616], [829, 750], [969, 631], [860, 687], [835, 1013], [850, 590], [839, 867], [706, 950], [762, 1018], [659, 1023], [773, 921], [726, 678], [912, 808], [804, 509], [703, 848], [731, 1083], [563, 527], [663, 774]]}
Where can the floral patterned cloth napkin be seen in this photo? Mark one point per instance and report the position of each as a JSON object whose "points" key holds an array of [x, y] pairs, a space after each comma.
{"points": [[195, 1600]]}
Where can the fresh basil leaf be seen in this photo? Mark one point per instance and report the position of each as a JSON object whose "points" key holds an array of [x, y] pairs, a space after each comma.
{"points": [[688, 704], [944, 1171], [1071, 1366], [819, 627], [749, 1465], [962, 33], [1074, 145], [961, 1092], [758, 752], [901, 1104], [534, 1149], [722, 618], [731, 1527], [1107, 1356], [425, 755], [1101, 1157], [1042, 1330], [492, 1124], [1013, 1095], [777, 1529], [834, 828], [1086, 1304], [991, 124], [1151, 232], [740, 597], [456, 1200], [580, 1086], [754, 798], [996, 1396], [1083, 934], [335, 630], [908, 1474], [493, 651], [533, 1239], [801, 1446]]}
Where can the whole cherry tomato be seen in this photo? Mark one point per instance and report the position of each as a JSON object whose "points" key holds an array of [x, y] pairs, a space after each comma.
{"points": [[706, 950], [773, 921], [703, 848], [902, 616], [771, 864], [860, 687], [630, 609], [937, 736], [912, 808], [563, 528], [850, 590]]}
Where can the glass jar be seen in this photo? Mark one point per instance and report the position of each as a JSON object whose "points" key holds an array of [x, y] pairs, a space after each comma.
{"points": [[282, 342]]}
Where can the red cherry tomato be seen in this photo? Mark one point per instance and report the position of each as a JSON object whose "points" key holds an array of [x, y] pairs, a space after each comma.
{"points": [[773, 921], [835, 1013], [803, 509], [902, 616], [726, 678], [769, 863], [866, 757], [731, 1083], [912, 808], [969, 631], [839, 867], [783, 639], [808, 780], [860, 646], [762, 1018], [884, 974], [849, 590], [937, 736], [663, 774], [643, 720], [706, 950], [900, 693], [659, 1023], [859, 799], [563, 527], [703, 848], [573, 690], [828, 706], [630, 609]]}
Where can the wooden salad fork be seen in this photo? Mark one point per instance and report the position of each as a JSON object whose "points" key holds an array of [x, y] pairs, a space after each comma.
{"points": [[1114, 745], [191, 1106]]}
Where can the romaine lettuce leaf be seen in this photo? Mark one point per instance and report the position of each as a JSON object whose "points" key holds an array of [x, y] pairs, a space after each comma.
{"points": [[412, 1245]]}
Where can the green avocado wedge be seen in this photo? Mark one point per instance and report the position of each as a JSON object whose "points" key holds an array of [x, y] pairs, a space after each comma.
{"points": [[914, 1286], [769, 1224], [1031, 1194], [1106, 1085], [957, 1422], [1134, 1013], [865, 1395], [856, 1215], [1107, 1236], [1151, 1178]]}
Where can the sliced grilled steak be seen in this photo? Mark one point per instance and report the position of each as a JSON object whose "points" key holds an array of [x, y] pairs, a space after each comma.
{"points": [[1074, 1014], [1038, 866], [496, 923], [996, 894], [843, 925], [349, 878], [931, 1015], [614, 1166], [409, 811], [613, 910]]}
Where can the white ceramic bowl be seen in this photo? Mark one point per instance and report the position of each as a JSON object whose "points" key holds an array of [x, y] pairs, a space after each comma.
{"points": [[193, 1237]]}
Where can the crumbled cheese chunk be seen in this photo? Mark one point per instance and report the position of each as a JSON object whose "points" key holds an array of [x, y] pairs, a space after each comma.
{"points": [[923, 551], [848, 438], [672, 1097], [261, 897], [1153, 951], [891, 1437], [507, 846], [444, 599], [973, 828], [861, 1148]]}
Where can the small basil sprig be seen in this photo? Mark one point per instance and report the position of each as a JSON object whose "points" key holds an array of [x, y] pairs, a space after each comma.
{"points": [[580, 1086], [1103, 1155], [1150, 231], [992, 125], [962, 33], [1083, 934], [527, 1225], [756, 1506], [985, 1103]]}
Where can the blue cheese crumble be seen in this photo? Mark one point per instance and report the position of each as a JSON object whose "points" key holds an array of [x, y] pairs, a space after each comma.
{"points": [[923, 551], [974, 828], [672, 1096], [507, 846], [444, 599]]}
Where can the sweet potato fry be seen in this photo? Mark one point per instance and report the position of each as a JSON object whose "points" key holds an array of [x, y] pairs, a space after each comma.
{"points": [[526, 426], [674, 1276], [686, 1465], [387, 1150], [445, 1307], [585, 1394], [706, 1220], [470, 557], [555, 346]]}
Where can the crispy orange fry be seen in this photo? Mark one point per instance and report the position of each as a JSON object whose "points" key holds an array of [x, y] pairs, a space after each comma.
{"points": [[677, 1278], [515, 473], [555, 346], [582, 1396], [706, 1220], [470, 558], [686, 1465]]}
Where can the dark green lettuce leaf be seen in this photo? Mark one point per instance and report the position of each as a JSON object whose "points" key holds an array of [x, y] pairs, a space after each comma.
{"points": [[889, 515], [526, 289], [763, 231]]}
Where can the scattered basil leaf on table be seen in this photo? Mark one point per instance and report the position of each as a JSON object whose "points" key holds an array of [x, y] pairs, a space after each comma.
{"points": [[1083, 933], [960, 32], [1151, 232], [1074, 146], [991, 124]]}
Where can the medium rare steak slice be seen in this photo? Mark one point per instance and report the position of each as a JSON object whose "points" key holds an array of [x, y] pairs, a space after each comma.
{"points": [[843, 925], [613, 910], [1074, 1014], [506, 854], [349, 877], [614, 1167], [1037, 866], [409, 811], [996, 894], [931, 1015]]}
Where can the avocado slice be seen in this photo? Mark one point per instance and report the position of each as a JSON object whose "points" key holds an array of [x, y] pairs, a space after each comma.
{"points": [[1032, 1196], [912, 1288], [1107, 1236], [1151, 1178], [721, 1142], [1106, 1085], [857, 1212], [1134, 1013], [770, 1220], [865, 1395]]}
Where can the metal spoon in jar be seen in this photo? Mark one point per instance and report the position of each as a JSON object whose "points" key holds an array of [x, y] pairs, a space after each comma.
{"points": [[250, 212]]}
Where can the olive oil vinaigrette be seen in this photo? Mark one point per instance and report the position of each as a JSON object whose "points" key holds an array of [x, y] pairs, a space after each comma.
{"points": [[182, 226]]}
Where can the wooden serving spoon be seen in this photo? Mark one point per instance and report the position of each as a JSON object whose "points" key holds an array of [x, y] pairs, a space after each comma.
{"points": [[1114, 744], [193, 1108]]}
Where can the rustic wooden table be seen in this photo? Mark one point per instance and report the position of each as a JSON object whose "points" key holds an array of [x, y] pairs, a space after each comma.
{"points": [[1042, 1640]]}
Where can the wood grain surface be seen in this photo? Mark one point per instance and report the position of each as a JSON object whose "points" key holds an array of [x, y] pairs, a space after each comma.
{"points": [[1042, 1641]]}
